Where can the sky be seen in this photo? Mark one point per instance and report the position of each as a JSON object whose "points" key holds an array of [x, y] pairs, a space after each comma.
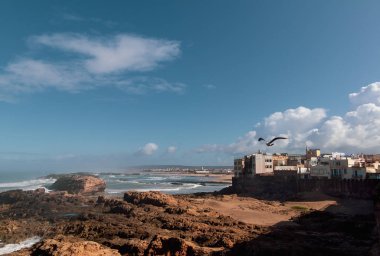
{"points": [[93, 85]]}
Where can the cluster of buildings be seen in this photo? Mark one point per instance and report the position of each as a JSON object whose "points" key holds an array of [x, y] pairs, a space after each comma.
{"points": [[311, 165]]}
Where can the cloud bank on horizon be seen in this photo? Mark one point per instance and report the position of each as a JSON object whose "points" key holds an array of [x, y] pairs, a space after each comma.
{"points": [[356, 131], [86, 62]]}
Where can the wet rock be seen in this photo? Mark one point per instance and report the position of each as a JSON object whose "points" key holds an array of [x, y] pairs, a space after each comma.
{"points": [[75, 184]]}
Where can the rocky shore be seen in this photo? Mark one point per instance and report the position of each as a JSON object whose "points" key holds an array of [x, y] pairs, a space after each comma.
{"points": [[152, 223]]}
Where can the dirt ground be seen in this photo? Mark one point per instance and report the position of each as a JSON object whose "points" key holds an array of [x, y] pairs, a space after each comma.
{"points": [[268, 213]]}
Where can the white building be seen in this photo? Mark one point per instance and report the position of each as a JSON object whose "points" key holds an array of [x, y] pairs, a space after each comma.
{"points": [[238, 167], [254, 164], [322, 169], [338, 167]]}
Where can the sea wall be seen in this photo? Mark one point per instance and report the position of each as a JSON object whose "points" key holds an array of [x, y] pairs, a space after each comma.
{"points": [[278, 186], [291, 185], [350, 188]]}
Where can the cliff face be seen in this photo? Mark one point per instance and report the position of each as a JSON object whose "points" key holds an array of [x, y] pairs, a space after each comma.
{"points": [[75, 184]]}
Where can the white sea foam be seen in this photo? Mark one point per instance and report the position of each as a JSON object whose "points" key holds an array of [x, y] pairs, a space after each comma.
{"points": [[156, 189], [27, 184], [185, 186], [128, 181], [192, 186], [9, 248], [155, 178], [115, 191], [182, 187]]}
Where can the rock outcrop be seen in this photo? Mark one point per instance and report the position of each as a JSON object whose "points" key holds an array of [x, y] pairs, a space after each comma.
{"points": [[153, 198], [153, 223], [75, 184], [71, 246]]}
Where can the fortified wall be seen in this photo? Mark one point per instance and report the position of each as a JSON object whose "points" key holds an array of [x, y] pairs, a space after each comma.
{"points": [[290, 185]]}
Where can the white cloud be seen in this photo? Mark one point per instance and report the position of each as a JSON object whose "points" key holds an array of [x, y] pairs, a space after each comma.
{"points": [[27, 75], [367, 94], [284, 122], [171, 150], [142, 85], [120, 53], [357, 131], [92, 62], [148, 149]]}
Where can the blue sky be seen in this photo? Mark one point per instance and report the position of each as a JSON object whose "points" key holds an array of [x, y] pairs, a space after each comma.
{"points": [[99, 84]]}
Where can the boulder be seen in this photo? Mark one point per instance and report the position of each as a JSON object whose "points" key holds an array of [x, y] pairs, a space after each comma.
{"points": [[75, 184]]}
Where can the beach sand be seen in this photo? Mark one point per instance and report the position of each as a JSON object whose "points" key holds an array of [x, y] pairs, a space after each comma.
{"points": [[222, 178], [267, 213]]}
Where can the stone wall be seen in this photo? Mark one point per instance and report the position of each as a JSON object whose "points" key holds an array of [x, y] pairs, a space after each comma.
{"points": [[351, 188], [278, 186]]}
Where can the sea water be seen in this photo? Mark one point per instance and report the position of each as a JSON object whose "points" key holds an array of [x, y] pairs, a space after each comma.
{"points": [[167, 183], [9, 248], [24, 180], [117, 183]]}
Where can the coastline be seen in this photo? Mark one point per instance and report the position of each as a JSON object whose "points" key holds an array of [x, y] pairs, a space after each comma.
{"points": [[141, 223], [173, 182], [221, 178]]}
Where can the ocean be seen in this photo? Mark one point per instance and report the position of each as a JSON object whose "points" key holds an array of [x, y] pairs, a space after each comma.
{"points": [[117, 183]]}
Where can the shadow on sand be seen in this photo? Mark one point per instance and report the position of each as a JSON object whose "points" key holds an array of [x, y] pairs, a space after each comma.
{"points": [[347, 228]]}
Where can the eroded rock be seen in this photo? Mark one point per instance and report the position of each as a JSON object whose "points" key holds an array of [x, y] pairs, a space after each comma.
{"points": [[75, 184], [153, 198], [71, 246]]}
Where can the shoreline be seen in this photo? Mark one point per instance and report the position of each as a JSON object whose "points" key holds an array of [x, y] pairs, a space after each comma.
{"points": [[222, 178], [210, 179], [203, 223]]}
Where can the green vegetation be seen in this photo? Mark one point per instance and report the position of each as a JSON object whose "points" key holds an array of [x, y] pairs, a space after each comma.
{"points": [[300, 208]]}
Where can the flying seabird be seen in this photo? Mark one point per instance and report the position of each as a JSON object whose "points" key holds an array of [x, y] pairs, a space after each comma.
{"points": [[270, 143]]}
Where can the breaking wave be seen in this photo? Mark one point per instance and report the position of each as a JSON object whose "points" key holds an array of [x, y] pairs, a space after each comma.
{"points": [[27, 184], [9, 248]]}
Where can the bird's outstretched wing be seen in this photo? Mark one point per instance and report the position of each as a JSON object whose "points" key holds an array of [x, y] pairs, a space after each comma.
{"points": [[277, 138], [261, 139]]}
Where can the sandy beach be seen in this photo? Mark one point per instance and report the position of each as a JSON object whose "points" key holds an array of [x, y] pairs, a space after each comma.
{"points": [[221, 178], [267, 213]]}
